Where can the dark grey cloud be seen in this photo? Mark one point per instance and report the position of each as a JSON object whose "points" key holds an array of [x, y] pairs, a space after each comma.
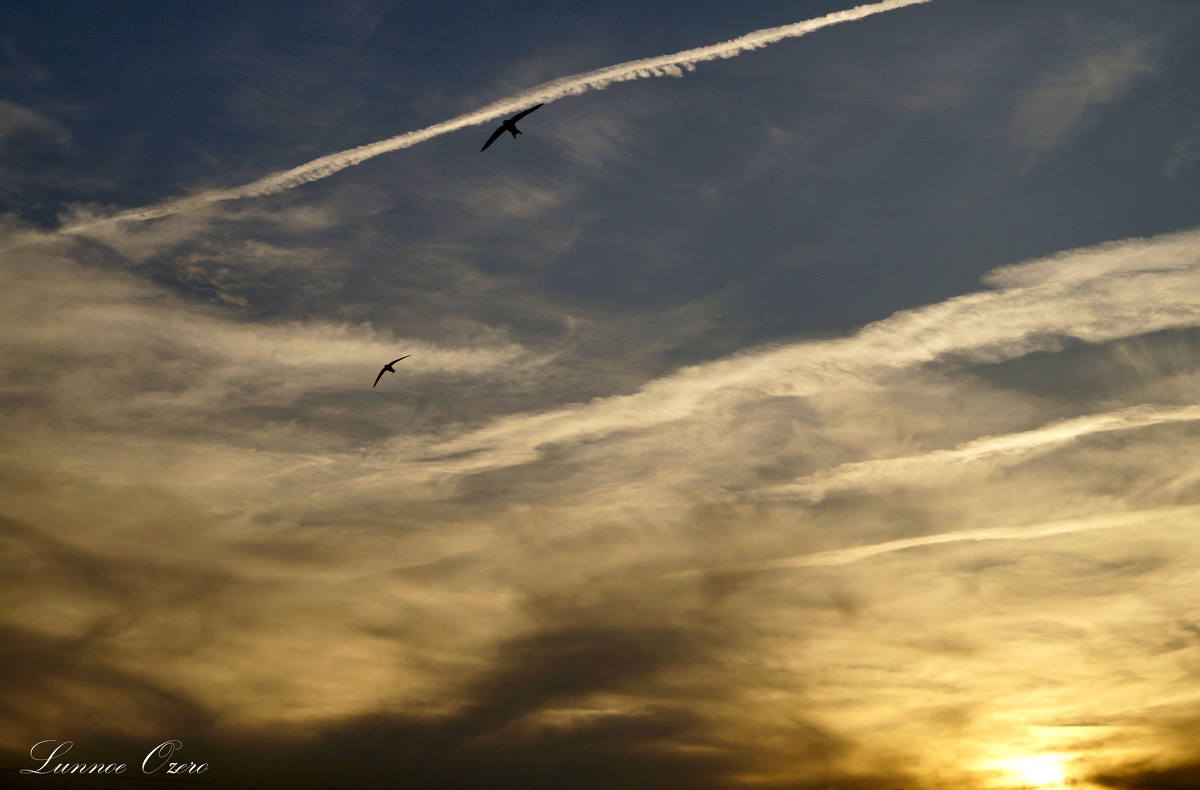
{"points": [[523, 722], [1176, 777], [54, 682]]}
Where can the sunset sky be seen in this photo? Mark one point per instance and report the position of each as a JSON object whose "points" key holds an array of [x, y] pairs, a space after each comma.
{"points": [[815, 409]]}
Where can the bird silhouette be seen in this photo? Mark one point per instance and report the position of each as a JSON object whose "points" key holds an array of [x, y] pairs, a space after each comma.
{"points": [[388, 367], [510, 125]]}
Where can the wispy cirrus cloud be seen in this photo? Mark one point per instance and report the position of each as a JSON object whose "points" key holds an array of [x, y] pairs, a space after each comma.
{"points": [[529, 574], [16, 120], [1186, 152], [1053, 110], [1096, 295]]}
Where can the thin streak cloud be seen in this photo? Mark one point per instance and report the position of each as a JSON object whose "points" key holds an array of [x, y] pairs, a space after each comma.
{"points": [[661, 66], [873, 474], [1050, 529]]}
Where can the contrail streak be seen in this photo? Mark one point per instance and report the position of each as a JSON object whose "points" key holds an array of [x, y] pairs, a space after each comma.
{"points": [[859, 553], [663, 65], [889, 471], [855, 554]]}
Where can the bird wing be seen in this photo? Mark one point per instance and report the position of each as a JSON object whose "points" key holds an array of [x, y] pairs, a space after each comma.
{"points": [[377, 378], [394, 361], [523, 113], [492, 139]]}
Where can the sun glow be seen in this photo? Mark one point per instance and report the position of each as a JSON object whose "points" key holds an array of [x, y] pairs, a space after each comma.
{"points": [[1036, 772]]}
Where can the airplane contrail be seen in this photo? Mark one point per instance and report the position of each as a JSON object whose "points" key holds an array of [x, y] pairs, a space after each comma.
{"points": [[849, 556], [663, 65], [876, 473], [859, 553]]}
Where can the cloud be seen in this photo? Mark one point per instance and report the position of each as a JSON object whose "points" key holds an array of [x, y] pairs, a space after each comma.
{"points": [[16, 67], [523, 587], [30, 144], [1186, 152], [495, 739], [16, 120], [1174, 777], [1053, 110], [1096, 295], [1011, 448], [859, 553], [170, 358]]}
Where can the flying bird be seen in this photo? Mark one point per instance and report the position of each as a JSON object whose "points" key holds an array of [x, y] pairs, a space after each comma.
{"points": [[509, 125], [388, 367]]}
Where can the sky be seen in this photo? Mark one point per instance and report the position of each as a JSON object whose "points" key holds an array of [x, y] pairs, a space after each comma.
{"points": [[815, 410]]}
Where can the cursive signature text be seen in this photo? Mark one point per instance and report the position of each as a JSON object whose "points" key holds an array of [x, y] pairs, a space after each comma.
{"points": [[158, 759]]}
